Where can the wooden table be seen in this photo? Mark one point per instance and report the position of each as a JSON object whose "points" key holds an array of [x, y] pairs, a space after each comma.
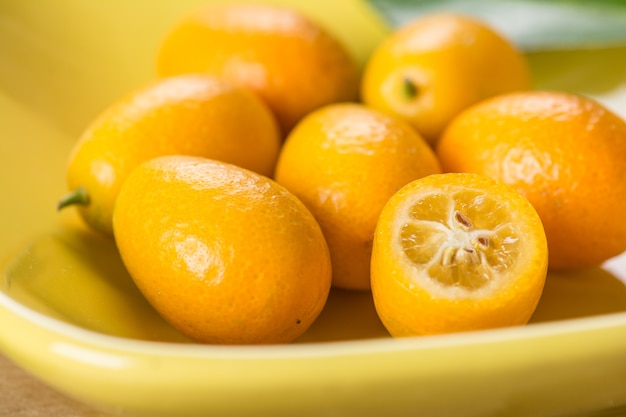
{"points": [[21, 395]]}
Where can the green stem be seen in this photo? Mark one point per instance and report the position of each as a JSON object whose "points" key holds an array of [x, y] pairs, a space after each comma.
{"points": [[77, 197], [409, 89]]}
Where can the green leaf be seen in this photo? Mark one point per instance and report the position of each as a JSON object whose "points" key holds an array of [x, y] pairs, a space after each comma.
{"points": [[531, 24]]}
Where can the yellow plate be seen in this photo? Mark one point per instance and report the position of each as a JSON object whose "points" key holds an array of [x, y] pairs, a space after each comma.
{"points": [[70, 314]]}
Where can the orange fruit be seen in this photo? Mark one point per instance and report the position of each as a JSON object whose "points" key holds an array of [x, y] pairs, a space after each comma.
{"points": [[223, 254], [292, 62], [457, 252], [344, 161], [189, 114], [437, 65], [565, 153]]}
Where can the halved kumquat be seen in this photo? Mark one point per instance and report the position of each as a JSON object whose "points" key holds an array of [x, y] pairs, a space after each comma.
{"points": [[457, 252]]}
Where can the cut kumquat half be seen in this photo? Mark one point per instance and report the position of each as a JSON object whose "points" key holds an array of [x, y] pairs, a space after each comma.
{"points": [[457, 252]]}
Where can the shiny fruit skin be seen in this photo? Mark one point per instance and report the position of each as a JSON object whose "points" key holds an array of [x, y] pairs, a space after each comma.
{"points": [[437, 65], [190, 114], [565, 153], [344, 161], [289, 60], [225, 255]]}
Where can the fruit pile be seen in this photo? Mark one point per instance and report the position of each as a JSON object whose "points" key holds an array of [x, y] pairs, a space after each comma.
{"points": [[263, 166]]}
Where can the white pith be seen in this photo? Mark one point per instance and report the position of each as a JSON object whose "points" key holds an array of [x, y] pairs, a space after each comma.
{"points": [[463, 244]]}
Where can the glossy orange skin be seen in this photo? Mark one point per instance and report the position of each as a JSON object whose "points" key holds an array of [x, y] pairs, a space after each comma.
{"points": [[190, 115], [344, 161], [225, 255], [565, 153], [453, 61], [293, 63]]}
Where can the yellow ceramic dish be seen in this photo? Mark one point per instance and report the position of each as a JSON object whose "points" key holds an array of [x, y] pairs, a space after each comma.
{"points": [[70, 315]]}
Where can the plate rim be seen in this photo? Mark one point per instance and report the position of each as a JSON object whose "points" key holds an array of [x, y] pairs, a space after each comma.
{"points": [[549, 329]]}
